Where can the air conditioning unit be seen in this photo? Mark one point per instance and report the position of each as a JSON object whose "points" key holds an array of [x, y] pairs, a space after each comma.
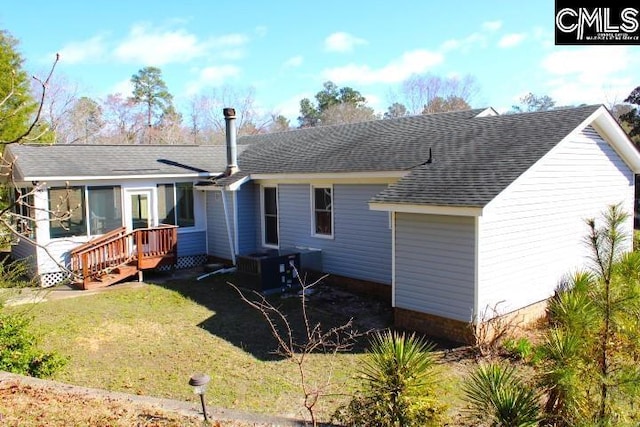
{"points": [[269, 271]]}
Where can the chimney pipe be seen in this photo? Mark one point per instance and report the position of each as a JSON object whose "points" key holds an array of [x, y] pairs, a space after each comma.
{"points": [[232, 150]]}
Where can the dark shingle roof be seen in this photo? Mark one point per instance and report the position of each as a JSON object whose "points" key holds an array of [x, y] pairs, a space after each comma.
{"points": [[474, 158], [37, 161], [380, 145]]}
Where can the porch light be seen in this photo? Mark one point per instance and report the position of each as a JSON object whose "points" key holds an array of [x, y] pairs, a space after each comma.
{"points": [[199, 383]]}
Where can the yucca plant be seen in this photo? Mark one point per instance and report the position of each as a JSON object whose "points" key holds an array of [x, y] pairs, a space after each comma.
{"points": [[398, 390], [496, 394]]}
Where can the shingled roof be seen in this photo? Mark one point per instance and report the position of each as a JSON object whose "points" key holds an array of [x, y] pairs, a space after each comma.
{"points": [[473, 158], [38, 162]]}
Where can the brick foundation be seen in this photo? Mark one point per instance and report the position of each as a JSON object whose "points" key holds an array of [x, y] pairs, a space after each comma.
{"points": [[375, 290], [458, 331]]}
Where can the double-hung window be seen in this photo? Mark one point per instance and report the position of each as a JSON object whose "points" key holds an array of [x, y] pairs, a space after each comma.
{"points": [[270, 215], [322, 200]]}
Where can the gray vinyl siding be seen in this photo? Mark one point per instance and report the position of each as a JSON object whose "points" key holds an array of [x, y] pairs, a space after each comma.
{"points": [[217, 237], [533, 233], [435, 264], [361, 243], [192, 243], [247, 213]]}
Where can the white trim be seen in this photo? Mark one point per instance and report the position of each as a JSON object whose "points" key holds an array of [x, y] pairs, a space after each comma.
{"points": [[330, 175], [426, 209], [206, 225], [476, 279], [313, 211], [117, 177], [234, 186], [487, 112], [226, 219], [262, 224], [236, 240], [153, 205], [393, 258], [606, 125]]}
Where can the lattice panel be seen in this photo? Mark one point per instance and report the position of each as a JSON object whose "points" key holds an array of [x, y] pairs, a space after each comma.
{"points": [[185, 262], [52, 279]]}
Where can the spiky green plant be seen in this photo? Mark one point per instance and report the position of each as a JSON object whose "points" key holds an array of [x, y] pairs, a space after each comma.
{"points": [[496, 394], [399, 377]]}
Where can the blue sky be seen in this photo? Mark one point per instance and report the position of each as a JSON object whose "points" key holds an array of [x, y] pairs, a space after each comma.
{"points": [[285, 50]]}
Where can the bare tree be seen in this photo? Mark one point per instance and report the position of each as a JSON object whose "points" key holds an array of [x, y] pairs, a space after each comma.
{"points": [[331, 341], [428, 93], [58, 106], [347, 113], [125, 120], [207, 124]]}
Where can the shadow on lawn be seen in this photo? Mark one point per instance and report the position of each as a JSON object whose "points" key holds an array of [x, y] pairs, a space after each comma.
{"points": [[245, 327]]}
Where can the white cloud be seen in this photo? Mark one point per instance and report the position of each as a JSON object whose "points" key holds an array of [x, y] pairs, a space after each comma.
{"points": [[414, 62], [83, 51], [124, 87], [213, 76], [492, 25], [152, 46], [293, 62], [290, 107], [342, 42], [511, 40], [594, 62], [594, 74]]}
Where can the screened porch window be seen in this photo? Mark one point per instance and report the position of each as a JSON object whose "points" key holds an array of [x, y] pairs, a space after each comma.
{"points": [[66, 212], [323, 211], [105, 209], [270, 214], [175, 204]]}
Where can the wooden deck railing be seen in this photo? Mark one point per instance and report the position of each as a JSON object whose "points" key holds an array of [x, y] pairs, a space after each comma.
{"points": [[144, 247]]}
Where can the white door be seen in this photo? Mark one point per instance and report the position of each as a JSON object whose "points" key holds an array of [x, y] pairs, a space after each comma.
{"points": [[139, 209]]}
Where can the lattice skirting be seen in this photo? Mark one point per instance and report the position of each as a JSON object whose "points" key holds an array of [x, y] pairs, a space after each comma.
{"points": [[52, 279], [191, 261], [185, 262]]}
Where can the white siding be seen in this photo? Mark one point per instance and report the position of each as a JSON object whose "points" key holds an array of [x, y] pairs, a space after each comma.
{"points": [[533, 232], [435, 264]]}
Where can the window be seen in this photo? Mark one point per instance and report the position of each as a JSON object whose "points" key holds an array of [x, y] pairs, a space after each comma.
{"points": [[175, 204], [184, 205], [322, 211], [105, 209], [24, 211], [66, 212], [270, 215]]}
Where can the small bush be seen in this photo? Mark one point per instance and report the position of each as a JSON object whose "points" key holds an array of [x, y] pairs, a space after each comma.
{"points": [[399, 385], [521, 349], [495, 393], [18, 349]]}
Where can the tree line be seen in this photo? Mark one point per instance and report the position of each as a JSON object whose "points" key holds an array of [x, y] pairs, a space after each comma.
{"points": [[148, 114]]}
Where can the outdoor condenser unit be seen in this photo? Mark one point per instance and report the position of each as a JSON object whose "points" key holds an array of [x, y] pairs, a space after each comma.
{"points": [[269, 271]]}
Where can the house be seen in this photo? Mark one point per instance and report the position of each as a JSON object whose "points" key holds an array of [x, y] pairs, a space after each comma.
{"points": [[450, 214], [74, 194]]}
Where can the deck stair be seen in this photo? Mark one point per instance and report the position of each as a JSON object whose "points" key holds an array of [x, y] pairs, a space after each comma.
{"points": [[119, 254]]}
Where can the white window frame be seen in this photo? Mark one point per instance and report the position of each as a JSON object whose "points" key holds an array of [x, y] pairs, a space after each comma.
{"points": [[263, 231], [312, 195]]}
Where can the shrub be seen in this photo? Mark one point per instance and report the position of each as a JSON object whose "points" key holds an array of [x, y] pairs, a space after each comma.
{"points": [[18, 349], [495, 393], [399, 385], [521, 348]]}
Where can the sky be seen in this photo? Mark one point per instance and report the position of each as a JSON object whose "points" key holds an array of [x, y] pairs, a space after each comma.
{"points": [[284, 50]]}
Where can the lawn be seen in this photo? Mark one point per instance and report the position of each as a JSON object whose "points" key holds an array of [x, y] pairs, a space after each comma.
{"points": [[150, 340]]}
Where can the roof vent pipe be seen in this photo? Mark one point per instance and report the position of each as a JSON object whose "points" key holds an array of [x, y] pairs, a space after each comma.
{"points": [[232, 149]]}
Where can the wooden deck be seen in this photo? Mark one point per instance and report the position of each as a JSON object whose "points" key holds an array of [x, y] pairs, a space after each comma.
{"points": [[119, 254]]}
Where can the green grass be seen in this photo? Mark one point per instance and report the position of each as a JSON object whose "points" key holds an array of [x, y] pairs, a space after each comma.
{"points": [[150, 340]]}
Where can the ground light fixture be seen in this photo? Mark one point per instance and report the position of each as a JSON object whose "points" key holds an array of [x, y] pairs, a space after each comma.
{"points": [[199, 383]]}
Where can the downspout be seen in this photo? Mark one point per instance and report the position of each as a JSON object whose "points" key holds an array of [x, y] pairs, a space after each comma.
{"points": [[226, 219]]}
